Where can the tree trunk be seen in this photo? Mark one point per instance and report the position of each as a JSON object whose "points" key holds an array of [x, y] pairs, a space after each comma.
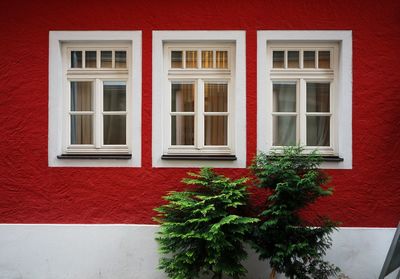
{"points": [[217, 275], [272, 275]]}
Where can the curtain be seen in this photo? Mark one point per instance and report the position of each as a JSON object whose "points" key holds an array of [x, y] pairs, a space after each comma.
{"points": [[207, 59], [182, 126], [191, 59], [216, 126], [81, 100], [318, 127], [284, 126]]}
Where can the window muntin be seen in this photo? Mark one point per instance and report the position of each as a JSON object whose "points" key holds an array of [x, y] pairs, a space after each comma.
{"points": [[97, 89], [305, 58], [302, 79], [200, 81]]}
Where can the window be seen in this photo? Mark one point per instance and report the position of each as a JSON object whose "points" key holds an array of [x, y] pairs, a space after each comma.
{"points": [[94, 99], [304, 93], [196, 112]]}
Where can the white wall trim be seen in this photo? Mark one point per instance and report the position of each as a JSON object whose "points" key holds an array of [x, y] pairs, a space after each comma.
{"points": [[56, 38], [161, 37], [344, 101]]}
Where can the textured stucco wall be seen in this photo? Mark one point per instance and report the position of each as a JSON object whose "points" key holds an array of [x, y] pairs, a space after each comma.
{"points": [[31, 192]]}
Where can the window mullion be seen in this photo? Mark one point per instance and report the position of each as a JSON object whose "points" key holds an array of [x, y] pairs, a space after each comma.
{"points": [[199, 138], [98, 121], [301, 97]]}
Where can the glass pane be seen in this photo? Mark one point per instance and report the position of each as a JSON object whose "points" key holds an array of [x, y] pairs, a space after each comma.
{"points": [[114, 129], [324, 59], [318, 130], [284, 97], [176, 59], [293, 59], [309, 59], [284, 130], [191, 59], [114, 93], [278, 59], [182, 130], [216, 130], [207, 59], [81, 129], [318, 97], [90, 59], [76, 59], [182, 97], [120, 59], [81, 96], [221, 59], [106, 59], [215, 97]]}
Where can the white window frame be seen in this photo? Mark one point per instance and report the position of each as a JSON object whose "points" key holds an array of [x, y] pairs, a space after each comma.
{"points": [[59, 44], [341, 87], [163, 43]]}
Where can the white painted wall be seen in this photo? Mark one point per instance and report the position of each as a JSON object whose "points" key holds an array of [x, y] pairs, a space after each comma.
{"points": [[129, 251]]}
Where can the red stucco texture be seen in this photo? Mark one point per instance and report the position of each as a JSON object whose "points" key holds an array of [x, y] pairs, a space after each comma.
{"points": [[30, 192]]}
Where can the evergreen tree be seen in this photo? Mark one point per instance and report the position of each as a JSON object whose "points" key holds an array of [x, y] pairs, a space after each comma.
{"points": [[201, 230], [292, 245]]}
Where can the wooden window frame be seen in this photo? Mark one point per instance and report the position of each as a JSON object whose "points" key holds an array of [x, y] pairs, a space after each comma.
{"points": [[339, 154], [61, 152]]}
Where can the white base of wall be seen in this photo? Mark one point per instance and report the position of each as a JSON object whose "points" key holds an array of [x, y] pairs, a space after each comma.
{"points": [[129, 251]]}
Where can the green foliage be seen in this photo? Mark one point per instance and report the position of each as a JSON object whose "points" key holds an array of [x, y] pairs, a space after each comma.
{"points": [[201, 230], [293, 246]]}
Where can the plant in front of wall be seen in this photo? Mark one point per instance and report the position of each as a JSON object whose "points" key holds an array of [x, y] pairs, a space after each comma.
{"points": [[201, 230], [292, 245]]}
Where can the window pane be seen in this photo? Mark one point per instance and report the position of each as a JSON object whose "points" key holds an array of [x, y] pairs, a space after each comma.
{"points": [[318, 97], [106, 59], [293, 59], [309, 59], [215, 97], [81, 129], [284, 97], [221, 59], [176, 59], [76, 59], [207, 59], [278, 59], [114, 129], [216, 130], [318, 130], [81, 96], [191, 59], [284, 130], [182, 130], [120, 59], [324, 59], [114, 93], [182, 97], [90, 59]]}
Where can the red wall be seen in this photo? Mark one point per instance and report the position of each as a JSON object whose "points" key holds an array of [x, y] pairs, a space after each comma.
{"points": [[31, 192]]}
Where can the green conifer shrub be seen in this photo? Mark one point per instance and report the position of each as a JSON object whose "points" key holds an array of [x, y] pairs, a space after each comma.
{"points": [[292, 245], [201, 230]]}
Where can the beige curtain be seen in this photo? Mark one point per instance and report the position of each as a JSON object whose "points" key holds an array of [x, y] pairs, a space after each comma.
{"points": [[182, 132], [81, 100], [216, 126]]}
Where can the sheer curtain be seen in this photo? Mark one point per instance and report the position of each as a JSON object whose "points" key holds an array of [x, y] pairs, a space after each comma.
{"points": [[318, 127], [216, 126], [284, 123], [81, 100], [182, 130]]}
